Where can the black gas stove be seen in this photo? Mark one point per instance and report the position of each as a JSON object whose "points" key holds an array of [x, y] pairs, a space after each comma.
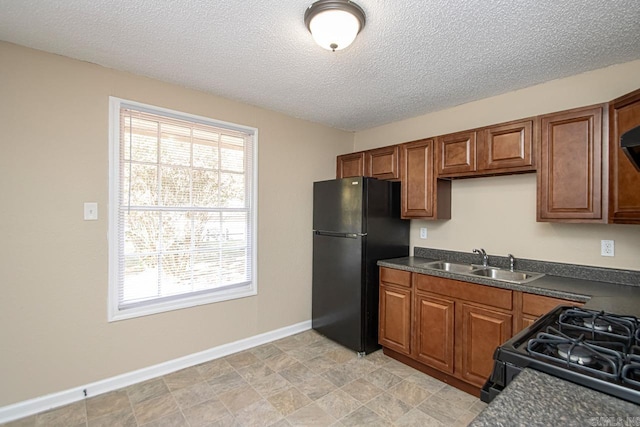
{"points": [[594, 349]]}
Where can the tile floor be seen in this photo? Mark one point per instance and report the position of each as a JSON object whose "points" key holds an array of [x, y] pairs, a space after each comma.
{"points": [[302, 380]]}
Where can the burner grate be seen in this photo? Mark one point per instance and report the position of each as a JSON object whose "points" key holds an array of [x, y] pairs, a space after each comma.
{"points": [[576, 353], [600, 325], [608, 359], [631, 373]]}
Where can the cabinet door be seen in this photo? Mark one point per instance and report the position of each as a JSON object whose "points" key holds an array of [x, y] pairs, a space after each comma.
{"points": [[435, 331], [570, 174], [394, 327], [483, 330], [457, 154], [422, 195], [383, 163], [507, 147], [349, 165], [624, 178], [528, 320]]}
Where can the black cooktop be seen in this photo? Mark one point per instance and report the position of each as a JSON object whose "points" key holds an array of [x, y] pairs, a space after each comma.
{"points": [[595, 349]]}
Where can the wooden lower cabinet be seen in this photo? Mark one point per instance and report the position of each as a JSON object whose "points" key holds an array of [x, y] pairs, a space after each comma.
{"points": [[528, 320], [394, 324], [535, 306], [435, 331], [450, 329], [481, 332], [445, 327]]}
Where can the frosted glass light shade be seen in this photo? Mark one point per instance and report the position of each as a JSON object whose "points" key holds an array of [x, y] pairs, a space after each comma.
{"points": [[334, 29], [334, 24]]}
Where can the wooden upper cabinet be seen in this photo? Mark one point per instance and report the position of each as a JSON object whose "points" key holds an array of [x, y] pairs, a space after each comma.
{"points": [[383, 163], [571, 166], [624, 178], [501, 149], [456, 153], [423, 196], [507, 147], [349, 165]]}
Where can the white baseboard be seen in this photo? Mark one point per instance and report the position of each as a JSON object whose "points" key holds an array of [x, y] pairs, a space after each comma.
{"points": [[54, 400]]}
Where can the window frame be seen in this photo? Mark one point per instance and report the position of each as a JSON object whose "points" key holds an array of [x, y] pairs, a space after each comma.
{"points": [[195, 298]]}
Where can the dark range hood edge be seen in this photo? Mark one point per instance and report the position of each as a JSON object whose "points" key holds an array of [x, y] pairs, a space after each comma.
{"points": [[630, 144]]}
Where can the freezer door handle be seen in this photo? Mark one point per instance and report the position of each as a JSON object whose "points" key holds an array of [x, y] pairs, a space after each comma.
{"points": [[335, 234]]}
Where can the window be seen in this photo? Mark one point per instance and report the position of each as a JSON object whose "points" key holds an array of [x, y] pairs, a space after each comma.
{"points": [[182, 216]]}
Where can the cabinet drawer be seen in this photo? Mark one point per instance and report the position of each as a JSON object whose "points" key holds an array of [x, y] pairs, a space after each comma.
{"points": [[537, 305], [495, 297], [397, 277]]}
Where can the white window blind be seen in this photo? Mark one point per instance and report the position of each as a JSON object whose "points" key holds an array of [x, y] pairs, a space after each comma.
{"points": [[185, 211]]}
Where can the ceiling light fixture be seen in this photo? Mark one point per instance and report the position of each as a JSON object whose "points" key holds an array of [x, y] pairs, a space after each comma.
{"points": [[334, 24]]}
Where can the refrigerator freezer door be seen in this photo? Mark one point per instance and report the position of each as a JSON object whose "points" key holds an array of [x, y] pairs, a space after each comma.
{"points": [[337, 205], [337, 289]]}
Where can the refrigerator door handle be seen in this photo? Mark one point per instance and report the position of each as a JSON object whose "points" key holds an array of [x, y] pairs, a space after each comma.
{"points": [[335, 234]]}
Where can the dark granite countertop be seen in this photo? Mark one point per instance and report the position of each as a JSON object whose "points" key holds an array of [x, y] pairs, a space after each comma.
{"points": [[537, 399], [615, 291]]}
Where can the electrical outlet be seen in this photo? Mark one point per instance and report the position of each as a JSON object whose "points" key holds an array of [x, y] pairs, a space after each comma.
{"points": [[607, 247], [423, 232]]}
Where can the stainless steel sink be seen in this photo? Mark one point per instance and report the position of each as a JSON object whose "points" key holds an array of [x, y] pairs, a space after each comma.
{"points": [[450, 267], [493, 273], [507, 275]]}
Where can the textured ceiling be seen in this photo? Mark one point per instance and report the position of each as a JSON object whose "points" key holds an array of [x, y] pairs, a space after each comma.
{"points": [[413, 56]]}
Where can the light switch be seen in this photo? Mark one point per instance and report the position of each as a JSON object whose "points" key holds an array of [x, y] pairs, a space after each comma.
{"points": [[90, 211]]}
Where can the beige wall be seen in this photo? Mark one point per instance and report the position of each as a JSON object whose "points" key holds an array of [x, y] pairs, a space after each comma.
{"points": [[54, 333], [499, 213]]}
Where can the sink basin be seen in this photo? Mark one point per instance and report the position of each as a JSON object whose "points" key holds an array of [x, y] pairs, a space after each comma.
{"points": [[507, 275], [493, 273], [450, 266]]}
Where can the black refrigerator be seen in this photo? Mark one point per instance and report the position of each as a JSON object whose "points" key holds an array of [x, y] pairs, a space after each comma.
{"points": [[356, 222]]}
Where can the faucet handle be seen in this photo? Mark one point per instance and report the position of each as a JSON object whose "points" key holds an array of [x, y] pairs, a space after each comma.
{"points": [[512, 261]]}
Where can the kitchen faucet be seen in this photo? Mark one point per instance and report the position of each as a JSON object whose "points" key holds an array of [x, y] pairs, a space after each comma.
{"points": [[485, 257], [512, 261]]}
